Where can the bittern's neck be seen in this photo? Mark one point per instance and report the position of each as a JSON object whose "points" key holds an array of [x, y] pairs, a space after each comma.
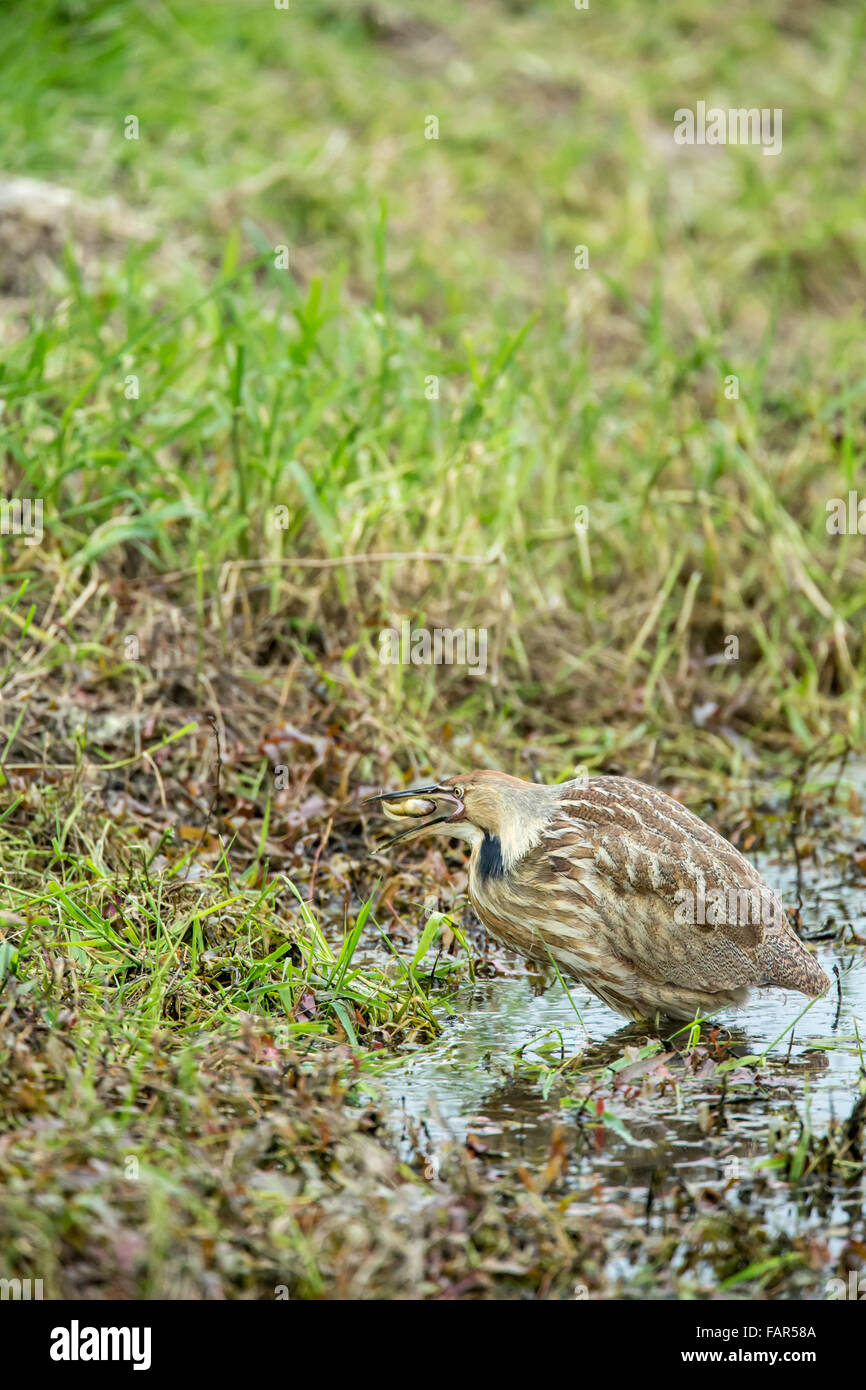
{"points": [[490, 861], [520, 825]]}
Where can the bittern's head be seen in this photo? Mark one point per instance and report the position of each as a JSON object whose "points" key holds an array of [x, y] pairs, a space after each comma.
{"points": [[475, 806]]}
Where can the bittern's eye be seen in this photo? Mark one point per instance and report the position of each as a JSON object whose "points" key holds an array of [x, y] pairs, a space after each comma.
{"points": [[458, 791]]}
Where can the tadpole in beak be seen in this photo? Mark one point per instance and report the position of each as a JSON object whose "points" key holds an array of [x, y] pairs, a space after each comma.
{"points": [[415, 804]]}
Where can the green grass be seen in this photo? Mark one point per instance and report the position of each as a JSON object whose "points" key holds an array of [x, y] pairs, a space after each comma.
{"points": [[133, 940], [304, 389]]}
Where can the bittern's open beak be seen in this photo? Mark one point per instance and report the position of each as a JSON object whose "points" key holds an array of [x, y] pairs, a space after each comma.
{"points": [[417, 804]]}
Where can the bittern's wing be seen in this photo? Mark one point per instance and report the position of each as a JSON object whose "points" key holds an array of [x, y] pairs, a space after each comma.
{"points": [[683, 904]]}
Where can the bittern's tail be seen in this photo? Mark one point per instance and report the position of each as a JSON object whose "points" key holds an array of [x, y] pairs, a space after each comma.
{"points": [[786, 962]]}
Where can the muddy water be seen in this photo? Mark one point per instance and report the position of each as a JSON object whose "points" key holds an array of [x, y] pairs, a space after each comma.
{"points": [[486, 1080]]}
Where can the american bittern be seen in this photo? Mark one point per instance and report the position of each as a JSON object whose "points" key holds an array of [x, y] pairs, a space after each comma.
{"points": [[628, 892]]}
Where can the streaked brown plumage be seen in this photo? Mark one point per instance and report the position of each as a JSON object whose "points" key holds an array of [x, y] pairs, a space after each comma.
{"points": [[631, 894]]}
